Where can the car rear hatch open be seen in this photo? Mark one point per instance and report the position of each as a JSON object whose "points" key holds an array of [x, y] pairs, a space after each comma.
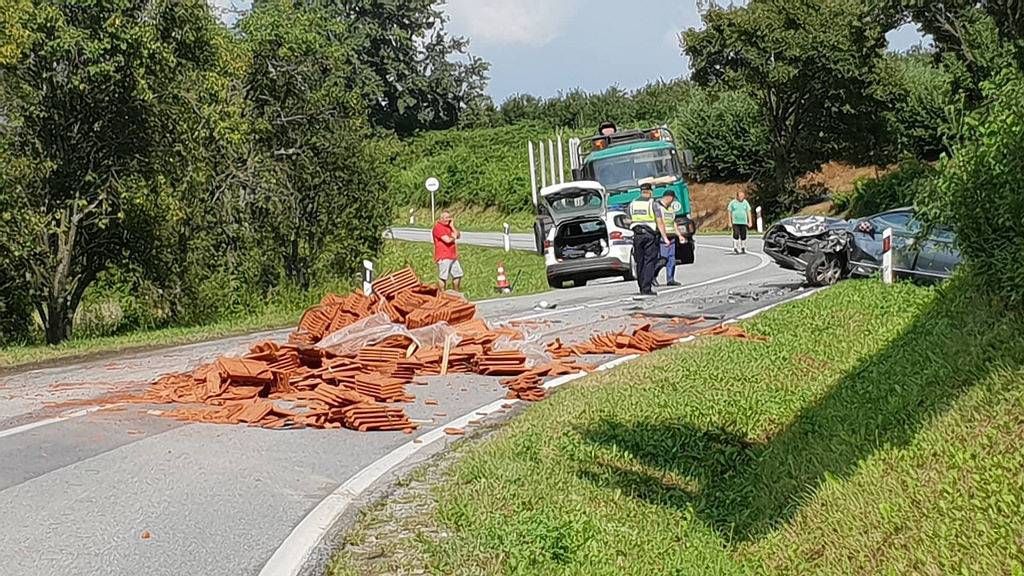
{"points": [[578, 211]]}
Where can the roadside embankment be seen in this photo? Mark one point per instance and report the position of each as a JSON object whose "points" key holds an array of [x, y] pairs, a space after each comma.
{"points": [[876, 430]]}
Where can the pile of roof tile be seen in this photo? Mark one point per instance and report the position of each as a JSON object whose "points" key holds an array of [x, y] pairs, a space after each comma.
{"points": [[299, 385], [641, 341], [732, 331], [529, 385]]}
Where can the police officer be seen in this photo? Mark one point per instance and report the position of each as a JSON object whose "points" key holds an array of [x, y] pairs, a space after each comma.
{"points": [[648, 225], [668, 251]]}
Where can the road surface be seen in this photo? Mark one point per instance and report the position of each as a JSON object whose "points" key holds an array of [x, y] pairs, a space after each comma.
{"points": [[80, 489]]}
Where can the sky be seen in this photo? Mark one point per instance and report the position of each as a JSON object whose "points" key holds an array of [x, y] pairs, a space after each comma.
{"points": [[543, 47]]}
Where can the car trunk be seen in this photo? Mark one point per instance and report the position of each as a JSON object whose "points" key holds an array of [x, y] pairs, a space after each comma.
{"points": [[581, 238]]}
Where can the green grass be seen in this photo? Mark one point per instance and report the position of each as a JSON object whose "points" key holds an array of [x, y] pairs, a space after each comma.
{"points": [[479, 264], [525, 270], [470, 219], [877, 432]]}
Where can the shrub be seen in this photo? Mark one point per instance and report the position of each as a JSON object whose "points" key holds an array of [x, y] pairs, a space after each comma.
{"points": [[981, 191], [896, 189], [726, 133]]}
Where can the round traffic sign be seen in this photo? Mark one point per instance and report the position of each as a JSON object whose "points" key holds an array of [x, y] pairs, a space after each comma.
{"points": [[433, 184]]}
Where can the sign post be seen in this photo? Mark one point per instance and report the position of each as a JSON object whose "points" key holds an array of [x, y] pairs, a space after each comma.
{"points": [[433, 185], [888, 275]]}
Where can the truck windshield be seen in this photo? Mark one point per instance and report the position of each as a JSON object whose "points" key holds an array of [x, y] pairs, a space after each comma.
{"points": [[622, 172]]}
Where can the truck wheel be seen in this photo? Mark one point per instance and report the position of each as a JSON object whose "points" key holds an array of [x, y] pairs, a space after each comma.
{"points": [[823, 269]]}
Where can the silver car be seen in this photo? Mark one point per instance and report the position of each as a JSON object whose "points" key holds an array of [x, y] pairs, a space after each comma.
{"points": [[829, 249]]}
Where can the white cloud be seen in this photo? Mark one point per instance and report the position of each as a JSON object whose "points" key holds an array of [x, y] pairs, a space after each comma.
{"points": [[511, 22]]}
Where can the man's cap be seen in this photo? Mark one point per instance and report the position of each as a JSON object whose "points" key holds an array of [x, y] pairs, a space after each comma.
{"points": [[605, 125], [647, 186], [669, 192]]}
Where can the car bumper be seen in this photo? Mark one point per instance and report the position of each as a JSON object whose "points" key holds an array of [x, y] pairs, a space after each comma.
{"points": [[785, 260], [588, 267]]}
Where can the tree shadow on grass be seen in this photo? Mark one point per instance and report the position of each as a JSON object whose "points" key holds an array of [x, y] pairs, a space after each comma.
{"points": [[744, 489]]}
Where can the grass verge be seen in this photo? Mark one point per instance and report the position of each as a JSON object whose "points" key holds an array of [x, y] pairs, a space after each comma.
{"points": [[480, 265], [877, 432]]}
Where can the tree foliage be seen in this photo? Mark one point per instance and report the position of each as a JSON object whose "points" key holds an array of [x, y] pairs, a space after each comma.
{"points": [[423, 78], [981, 191], [808, 64], [322, 204], [83, 103]]}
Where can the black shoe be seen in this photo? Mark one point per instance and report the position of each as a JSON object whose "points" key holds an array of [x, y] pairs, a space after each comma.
{"points": [[655, 284], [649, 293], [674, 283]]}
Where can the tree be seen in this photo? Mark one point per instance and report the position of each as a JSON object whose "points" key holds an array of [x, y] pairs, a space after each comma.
{"points": [[808, 64], [424, 78], [82, 101], [321, 203]]}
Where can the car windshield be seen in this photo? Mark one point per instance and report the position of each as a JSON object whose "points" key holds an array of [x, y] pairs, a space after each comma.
{"points": [[624, 172]]}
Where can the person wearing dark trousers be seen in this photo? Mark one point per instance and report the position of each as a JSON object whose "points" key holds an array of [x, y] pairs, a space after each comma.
{"points": [[648, 226], [740, 217]]}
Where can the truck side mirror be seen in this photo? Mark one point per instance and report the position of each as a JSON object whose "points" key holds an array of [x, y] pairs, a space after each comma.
{"points": [[688, 157]]}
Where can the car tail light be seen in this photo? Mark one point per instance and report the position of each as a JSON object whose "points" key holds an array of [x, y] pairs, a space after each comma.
{"points": [[616, 236], [547, 244]]}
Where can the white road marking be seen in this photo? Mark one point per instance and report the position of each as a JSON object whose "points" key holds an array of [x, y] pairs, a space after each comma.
{"points": [[54, 420], [291, 557], [765, 262]]}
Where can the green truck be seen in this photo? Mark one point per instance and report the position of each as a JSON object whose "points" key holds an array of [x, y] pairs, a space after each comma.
{"points": [[620, 162]]}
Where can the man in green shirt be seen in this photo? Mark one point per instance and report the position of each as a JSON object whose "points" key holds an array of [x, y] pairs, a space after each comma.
{"points": [[740, 217]]}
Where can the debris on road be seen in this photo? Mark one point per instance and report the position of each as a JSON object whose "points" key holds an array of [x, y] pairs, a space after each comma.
{"points": [[351, 358]]}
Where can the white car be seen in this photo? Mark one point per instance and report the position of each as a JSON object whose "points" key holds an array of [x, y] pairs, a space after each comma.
{"points": [[582, 239]]}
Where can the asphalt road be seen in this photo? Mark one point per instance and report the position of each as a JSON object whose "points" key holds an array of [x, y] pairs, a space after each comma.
{"points": [[79, 491]]}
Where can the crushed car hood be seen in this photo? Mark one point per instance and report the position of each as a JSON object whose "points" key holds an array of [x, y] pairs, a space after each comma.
{"points": [[808, 226]]}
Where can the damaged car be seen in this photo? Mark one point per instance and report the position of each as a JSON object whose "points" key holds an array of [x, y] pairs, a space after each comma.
{"points": [[827, 250]]}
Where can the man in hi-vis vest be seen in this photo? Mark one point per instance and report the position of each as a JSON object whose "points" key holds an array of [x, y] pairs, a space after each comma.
{"points": [[648, 224], [668, 251]]}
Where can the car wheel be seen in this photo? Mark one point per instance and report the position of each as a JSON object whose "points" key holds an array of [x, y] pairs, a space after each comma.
{"points": [[555, 283], [630, 275], [579, 283], [823, 269]]}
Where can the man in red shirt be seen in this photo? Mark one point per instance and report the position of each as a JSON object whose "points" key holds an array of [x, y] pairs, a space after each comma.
{"points": [[446, 254]]}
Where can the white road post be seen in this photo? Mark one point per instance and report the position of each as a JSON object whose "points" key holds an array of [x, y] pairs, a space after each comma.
{"points": [[412, 216], [367, 278], [760, 221], [543, 167], [533, 175], [507, 237], [561, 165], [888, 273], [551, 157]]}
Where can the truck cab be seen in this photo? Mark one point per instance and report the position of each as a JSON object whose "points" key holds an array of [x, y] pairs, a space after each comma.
{"points": [[620, 161]]}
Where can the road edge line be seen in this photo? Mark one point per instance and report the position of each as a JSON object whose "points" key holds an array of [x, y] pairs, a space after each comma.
{"points": [[291, 557]]}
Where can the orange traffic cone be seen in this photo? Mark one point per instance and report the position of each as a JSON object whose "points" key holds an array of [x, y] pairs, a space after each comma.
{"points": [[503, 286]]}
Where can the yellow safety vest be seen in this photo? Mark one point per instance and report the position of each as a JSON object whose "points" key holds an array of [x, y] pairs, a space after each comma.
{"points": [[642, 212]]}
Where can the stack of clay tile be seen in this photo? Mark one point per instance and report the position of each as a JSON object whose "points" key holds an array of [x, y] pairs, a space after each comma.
{"points": [[732, 331], [642, 341], [299, 385], [529, 385]]}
